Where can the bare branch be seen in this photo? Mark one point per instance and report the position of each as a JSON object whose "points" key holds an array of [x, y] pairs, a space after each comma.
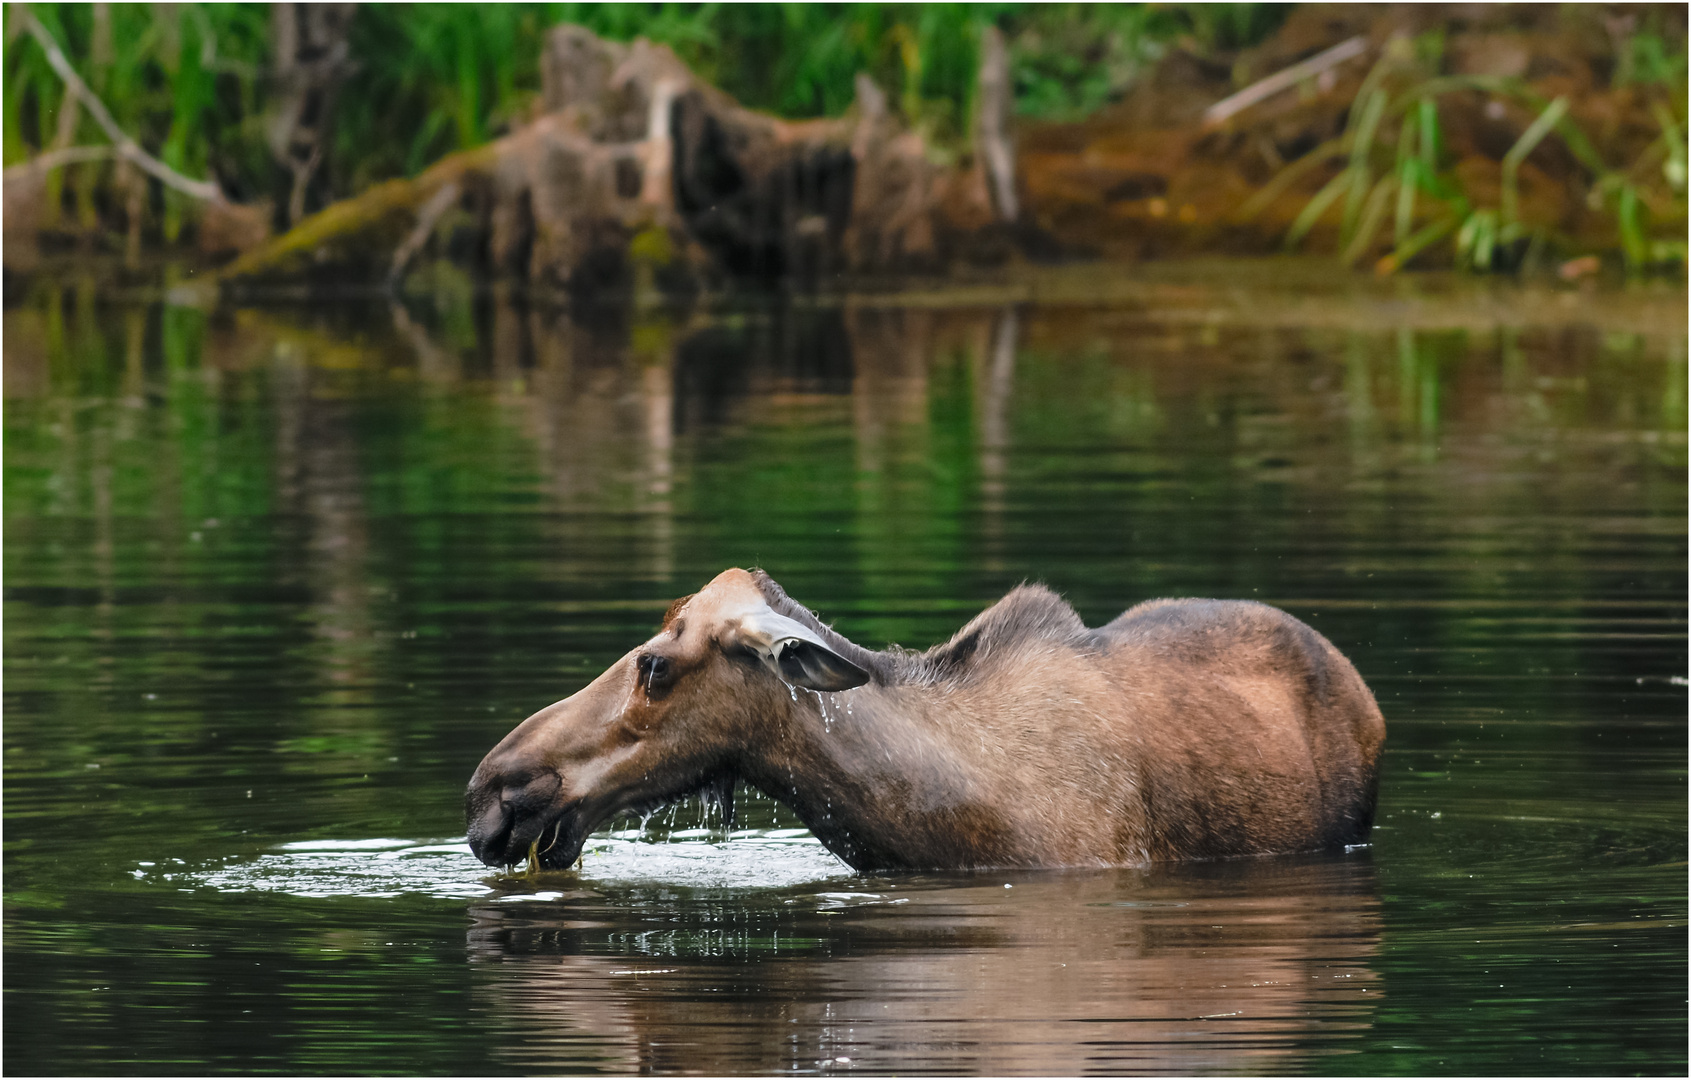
{"points": [[53, 159], [1285, 79], [125, 146], [992, 123], [428, 216]]}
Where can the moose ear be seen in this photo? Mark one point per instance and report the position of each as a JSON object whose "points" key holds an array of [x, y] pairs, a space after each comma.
{"points": [[816, 667], [792, 651]]}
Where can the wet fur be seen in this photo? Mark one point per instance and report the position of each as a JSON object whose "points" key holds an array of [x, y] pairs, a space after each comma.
{"points": [[1182, 693], [1183, 729]]}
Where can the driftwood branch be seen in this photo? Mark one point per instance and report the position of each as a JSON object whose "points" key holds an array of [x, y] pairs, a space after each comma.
{"points": [[993, 122], [428, 216], [123, 145], [49, 160], [389, 207], [1263, 89]]}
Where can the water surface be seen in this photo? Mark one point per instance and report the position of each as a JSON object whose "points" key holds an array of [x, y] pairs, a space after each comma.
{"points": [[277, 577]]}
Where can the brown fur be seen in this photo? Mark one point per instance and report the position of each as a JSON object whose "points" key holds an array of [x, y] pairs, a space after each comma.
{"points": [[1182, 729]]}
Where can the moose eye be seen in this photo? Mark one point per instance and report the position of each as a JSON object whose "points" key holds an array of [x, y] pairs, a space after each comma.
{"points": [[654, 672]]}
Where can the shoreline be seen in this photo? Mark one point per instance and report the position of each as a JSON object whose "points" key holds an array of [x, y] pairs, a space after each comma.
{"points": [[1308, 290]]}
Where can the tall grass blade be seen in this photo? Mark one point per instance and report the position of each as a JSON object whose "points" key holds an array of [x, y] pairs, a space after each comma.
{"points": [[1372, 215], [1673, 140], [1361, 147], [1408, 169], [1633, 245], [1427, 110], [1286, 177], [1423, 238], [1317, 206], [1477, 240], [1529, 140]]}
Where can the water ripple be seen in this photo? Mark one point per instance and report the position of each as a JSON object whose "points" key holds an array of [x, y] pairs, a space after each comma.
{"points": [[383, 867]]}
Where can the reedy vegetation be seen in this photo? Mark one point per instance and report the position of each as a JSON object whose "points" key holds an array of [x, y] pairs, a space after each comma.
{"points": [[434, 78], [190, 82], [1397, 168]]}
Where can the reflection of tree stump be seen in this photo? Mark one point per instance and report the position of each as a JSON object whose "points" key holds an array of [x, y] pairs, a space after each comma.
{"points": [[639, 174]]}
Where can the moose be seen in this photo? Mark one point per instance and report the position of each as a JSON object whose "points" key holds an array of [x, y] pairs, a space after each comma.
{"points": [[1182, 729]]}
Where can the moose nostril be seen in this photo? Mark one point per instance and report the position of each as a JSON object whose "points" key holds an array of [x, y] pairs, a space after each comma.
{"points": [[531, 793]]}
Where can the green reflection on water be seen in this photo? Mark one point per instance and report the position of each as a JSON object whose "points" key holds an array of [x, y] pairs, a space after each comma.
{"points": [[286, 574]]}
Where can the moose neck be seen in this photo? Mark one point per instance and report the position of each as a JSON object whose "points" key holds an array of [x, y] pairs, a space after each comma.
{"points": [[875, 778]]}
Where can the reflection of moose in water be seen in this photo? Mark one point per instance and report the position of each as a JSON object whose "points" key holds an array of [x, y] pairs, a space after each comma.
{"points": [[1235, 966], [1183, 729]]}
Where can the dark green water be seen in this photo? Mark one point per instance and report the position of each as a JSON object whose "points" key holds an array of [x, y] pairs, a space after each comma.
{"points": [[276, 579]]}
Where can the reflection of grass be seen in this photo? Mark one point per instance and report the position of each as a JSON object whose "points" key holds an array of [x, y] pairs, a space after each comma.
{"points": [[1398, 168]]}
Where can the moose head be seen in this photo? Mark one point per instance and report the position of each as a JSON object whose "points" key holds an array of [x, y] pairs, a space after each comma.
{"points": [[668, 720]]}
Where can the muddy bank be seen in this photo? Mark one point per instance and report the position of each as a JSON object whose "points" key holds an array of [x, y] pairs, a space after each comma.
{"points": [[1192, 161]]}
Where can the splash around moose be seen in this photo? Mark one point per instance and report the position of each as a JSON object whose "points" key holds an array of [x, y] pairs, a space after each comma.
{"points": [[1182, 729]]}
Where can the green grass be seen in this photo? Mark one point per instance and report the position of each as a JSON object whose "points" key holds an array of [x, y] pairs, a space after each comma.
{"points": [[189, 80], [1398, 170]]}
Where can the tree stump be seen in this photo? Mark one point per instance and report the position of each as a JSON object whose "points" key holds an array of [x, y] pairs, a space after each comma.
{"points": [[638, 174]]}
